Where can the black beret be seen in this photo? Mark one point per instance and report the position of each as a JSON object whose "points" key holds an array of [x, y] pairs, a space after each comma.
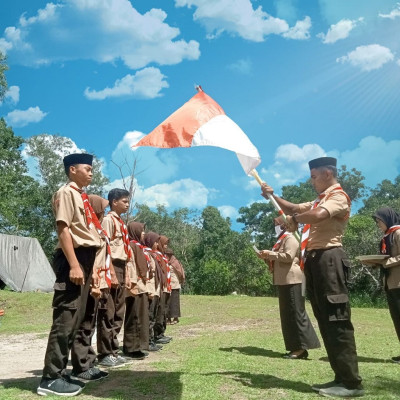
{"points": [[322, 162], [77, 158]]}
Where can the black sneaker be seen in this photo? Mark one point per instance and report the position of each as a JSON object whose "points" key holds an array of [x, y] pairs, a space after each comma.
{"points": [[154, 347], [74, 381], [92, 374], [163, 340], [59, 386], [135, 355], [396, 359]]}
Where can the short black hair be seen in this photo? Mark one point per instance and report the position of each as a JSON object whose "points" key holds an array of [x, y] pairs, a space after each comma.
{"points": [[329, 168], [116, 194], [67, 168]]}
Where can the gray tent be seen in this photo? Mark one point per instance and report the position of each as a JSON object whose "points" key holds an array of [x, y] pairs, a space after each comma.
{"points": [[24, 266]]}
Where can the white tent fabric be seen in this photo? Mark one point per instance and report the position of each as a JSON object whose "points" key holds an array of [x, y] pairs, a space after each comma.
{"points": [[24, 266]]}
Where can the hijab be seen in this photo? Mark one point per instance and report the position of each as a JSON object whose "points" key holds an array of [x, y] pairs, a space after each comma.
{"points": [[162, 242], [390, 218], [176, 265], [149, 239], [98, 203], [135, 230]]}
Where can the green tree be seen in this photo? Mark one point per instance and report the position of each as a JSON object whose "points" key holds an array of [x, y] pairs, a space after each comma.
{"points": [[3, 80], [49, 150]]}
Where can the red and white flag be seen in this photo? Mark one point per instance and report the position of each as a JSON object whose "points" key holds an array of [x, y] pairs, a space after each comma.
{"points": [[202, 122]]}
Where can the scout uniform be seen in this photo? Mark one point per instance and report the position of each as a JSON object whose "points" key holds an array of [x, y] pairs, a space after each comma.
{"points": [[177, 278], [390, 246], [298, 332], [70, 300], [326, 269], [110, 314], [136, 324]]}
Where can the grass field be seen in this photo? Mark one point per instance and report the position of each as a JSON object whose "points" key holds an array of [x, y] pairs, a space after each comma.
{"points": [[223, 348]]}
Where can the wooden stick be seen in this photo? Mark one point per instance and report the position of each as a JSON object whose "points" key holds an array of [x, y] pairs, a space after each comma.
{"points": [[254, 173]]}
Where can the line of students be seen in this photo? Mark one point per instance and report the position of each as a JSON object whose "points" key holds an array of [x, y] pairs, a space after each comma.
{"points": [[106, 272]]}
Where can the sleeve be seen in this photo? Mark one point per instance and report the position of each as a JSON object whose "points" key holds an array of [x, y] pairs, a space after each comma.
{"points": [[289, 251], [336, 205], [131, 267], [63, 207], [108, 226], [303, 207], [394, 261]]}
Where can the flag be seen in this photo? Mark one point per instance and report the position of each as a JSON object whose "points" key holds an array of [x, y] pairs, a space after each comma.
{"points": [[202, 122]]}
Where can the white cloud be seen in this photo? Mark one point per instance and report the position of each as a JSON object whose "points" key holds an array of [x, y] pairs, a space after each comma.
{"points": [[20, 118], [243, 66], [104, 31], [339, 31], [241, 19], [393, 14], [385, 154], [368, 58], [146, 83], [12, 95], [291, 163], [300, 31], [228, 212], [147, 159]]}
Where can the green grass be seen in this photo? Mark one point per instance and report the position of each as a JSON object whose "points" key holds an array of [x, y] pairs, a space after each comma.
{"points": [[223, 348]]}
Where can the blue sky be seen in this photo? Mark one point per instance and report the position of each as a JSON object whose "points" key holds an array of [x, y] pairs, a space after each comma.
{"points": [[301, 78]]}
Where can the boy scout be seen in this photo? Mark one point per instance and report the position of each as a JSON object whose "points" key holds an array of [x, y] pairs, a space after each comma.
{"points": [[78, 241], [110, 315], [326, 269]]}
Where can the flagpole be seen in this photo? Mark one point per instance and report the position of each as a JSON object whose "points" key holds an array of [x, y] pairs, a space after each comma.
{"points": [[254, 173]]}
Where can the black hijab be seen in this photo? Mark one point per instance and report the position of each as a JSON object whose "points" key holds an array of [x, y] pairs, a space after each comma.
{"points": [[390, 218]]}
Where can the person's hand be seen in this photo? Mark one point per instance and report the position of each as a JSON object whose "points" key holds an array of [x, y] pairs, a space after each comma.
{"points": [[76, 275], [263, 254], [134, 290], [290, 224], [95, 292], [266, 190], [114, 281], [128, 283]]}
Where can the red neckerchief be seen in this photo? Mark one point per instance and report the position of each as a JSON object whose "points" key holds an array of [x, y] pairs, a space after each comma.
{"points": [[92, 220], [125, 236], [276, 247], [306, 230], [161, 255], [387, 233], [146, 255]]}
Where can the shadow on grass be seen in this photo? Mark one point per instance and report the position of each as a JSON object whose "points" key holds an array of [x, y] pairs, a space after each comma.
{"points": [[121, 384], [382, 383], [265, 381], [364, 359], [252, 351]]}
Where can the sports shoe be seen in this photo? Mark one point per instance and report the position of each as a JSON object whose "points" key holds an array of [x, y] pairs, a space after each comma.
{"points": [[120, 360], [396, 359], [69, 379], [318, 386], [136, 355], [339, 390], [163, 340], [92, 374], [59, 386], [154, 347]]}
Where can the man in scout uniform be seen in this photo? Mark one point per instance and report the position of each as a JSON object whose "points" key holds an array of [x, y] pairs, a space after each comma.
{"points": [[110, 314], [326, 269], [78, 241]]}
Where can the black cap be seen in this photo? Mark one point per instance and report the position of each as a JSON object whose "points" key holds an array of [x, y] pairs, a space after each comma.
{"points": [[77, 158], [322, 162]]}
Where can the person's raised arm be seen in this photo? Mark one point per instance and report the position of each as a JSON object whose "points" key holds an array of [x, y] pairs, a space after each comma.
{"points": [[287, 207]]}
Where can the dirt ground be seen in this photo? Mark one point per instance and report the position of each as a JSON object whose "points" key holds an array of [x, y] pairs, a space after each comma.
{"points": [[22, 356]]}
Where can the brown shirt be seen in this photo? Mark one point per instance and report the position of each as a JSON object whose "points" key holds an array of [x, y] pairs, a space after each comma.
{"points": [[68, 207], [113, 228], [286, 262], [393, 263], [329, 232]]}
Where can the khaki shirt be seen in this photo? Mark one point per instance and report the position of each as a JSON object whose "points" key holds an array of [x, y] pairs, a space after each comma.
{"points": [[175, 284], [113, 228], [393, 262], [68, 207], [100, 263], [286, 262], [329, 232]]}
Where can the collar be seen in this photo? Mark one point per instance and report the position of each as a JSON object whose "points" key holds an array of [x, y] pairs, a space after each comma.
{"points": [[330, 188]]}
